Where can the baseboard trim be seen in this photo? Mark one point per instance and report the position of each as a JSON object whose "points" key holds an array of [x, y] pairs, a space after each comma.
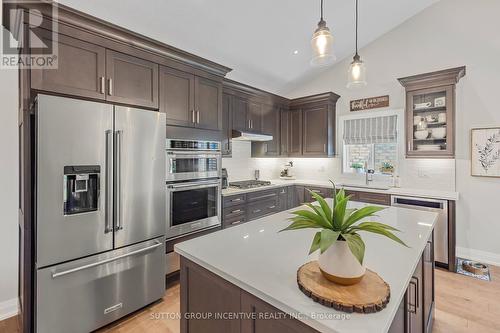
{"points": [[8, 308], [478, 255]]}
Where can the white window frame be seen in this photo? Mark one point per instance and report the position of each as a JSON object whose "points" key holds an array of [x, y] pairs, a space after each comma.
{"points": [[371, 114]]}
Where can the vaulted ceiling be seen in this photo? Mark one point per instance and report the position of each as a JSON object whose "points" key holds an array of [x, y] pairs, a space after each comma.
{"points": [[257, 38]]}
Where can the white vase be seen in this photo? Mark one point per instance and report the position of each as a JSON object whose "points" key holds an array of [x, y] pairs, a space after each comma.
{"points": [[339, 265]]}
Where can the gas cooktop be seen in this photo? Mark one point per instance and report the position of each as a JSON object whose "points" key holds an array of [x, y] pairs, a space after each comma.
{"points": [[249, 184]]}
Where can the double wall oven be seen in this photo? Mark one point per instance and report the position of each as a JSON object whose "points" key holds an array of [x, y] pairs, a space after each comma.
{"points": [[193, 186]]}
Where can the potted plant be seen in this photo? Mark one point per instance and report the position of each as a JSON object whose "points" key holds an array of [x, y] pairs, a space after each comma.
{"points": [[342, 248], [358, 167], [387, 168]]}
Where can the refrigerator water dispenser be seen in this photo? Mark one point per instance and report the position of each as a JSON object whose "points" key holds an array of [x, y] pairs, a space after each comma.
{"points": [[81, 189]]}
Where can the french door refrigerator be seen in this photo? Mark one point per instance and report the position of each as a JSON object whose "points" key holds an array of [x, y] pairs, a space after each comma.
{"points": [[100, 212]]}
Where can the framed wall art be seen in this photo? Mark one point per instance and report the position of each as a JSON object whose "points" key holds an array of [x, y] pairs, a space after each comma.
{"points": [[485, 152]]}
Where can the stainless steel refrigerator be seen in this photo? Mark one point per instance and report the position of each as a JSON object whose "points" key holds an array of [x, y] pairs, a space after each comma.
{"points": [[100, 212]]}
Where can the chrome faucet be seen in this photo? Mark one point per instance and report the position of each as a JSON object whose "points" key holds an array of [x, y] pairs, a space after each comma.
{"points": [[368, 174]]}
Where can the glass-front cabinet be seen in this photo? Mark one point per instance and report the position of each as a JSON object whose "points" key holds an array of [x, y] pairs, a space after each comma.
{"points": [[430, 122], [430, 113]]}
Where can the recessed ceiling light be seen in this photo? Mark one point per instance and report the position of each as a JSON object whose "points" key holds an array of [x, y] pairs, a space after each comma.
{"points": [[296, 52]]}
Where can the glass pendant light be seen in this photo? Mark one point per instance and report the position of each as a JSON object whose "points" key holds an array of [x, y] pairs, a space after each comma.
{"points": [[357, 69], [322, 44]]}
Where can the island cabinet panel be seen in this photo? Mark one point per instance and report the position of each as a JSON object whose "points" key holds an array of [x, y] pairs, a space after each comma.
{"points": [[428, 267], [131, 80], [315, 131], [177, 96], [264, 318], [208, 103], [81, 69], [202, 292]]}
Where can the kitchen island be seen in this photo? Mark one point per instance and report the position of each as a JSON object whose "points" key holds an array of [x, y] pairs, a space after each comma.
{"points": [[243, 279]]}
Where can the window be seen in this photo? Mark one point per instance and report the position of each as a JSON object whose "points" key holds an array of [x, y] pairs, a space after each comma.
{"points": [[371, 143]]}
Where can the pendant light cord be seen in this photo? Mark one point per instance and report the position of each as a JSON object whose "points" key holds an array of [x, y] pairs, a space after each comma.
{"points": [[321, 10], [356, 27]]}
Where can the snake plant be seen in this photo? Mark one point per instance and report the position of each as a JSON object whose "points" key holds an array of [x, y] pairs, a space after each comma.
{"points": [[339, 223]]}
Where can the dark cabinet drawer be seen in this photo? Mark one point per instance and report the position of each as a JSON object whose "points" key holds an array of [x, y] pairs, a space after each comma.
{"points": [[231, 221], [230, 212], [262, 195], [353, 194], [283, 198], [374, 198], [323, 191], [263, 208], [234, 200]]}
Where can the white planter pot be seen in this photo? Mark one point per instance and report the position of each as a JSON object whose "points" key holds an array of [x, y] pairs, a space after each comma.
{"points": [[339, 265]]}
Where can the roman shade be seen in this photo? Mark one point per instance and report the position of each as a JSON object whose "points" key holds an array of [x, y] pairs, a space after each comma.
{"points": [[381, 129]]}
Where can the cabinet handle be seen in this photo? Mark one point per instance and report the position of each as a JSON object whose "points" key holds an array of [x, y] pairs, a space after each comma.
{"points": [[103, 85], [197, 117], [409, 145], [256, 211], [324, 148], [192, 116], [271, 207], [235, 211], [249, 123], [316, 191], [110, 86], [236, 200], [235, 222]]}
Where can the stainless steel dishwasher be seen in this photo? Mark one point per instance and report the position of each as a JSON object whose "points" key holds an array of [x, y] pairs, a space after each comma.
{"points": [[441, 228]]}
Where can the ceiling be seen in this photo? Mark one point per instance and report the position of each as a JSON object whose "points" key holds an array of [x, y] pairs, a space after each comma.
{"points": [[256, 38]]}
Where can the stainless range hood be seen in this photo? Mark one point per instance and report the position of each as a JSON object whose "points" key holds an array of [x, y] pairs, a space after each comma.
{"points": [[250, 136]]}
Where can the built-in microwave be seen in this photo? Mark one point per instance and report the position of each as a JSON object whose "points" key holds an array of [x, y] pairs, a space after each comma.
{"points": [[191, 160]]}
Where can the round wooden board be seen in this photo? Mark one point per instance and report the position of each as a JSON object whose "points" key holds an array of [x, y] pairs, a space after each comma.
{"points": [[370, 295]]}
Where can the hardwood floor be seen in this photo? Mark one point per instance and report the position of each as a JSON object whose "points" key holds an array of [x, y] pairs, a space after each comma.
{"points": [[463, 304]]}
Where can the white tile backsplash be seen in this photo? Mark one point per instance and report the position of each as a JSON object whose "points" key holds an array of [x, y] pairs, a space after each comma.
{"points": [[438, 174]]}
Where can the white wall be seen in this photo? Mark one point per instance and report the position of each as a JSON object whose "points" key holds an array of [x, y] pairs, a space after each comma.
{"points": [[8, 193], [448, 34]]}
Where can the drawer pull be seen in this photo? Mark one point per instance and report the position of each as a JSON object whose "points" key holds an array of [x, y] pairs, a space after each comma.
{"points": [[316, 191], [256, 211], [264, 196], [235, 211], [271, 207], [236, 200], [235, 222]]}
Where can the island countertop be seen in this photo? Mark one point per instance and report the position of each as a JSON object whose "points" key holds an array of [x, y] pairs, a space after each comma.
{"points": [[263, 262]]}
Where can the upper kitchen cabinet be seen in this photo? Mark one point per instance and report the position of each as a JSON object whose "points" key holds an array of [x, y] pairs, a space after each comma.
{"points": [[81, 69], [239, 112], [131, 80], [270, 126], [430, 113], [255, 110], [189, 100], [284, 130], [177, 96], [227, 127], [208, 103], [312, 125]]}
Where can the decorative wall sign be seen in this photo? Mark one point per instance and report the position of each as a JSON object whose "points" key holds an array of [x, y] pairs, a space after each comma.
{"points": [[370, 103], [485, 152]]}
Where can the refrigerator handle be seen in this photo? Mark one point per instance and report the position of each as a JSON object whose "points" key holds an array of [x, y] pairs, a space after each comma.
{"points": [[109, 183], [118, 180]]}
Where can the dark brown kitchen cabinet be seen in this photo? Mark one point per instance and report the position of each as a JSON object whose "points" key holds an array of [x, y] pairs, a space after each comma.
{"points": [[81, 69], [284, 131], [239, 113], [208, 103], [430, 113], [255, 116], [227, 126], [177, 96], [315, 131], [414, 299], [295, 133], [131, 80], [189, 100], [270, 126], [428, 267]]}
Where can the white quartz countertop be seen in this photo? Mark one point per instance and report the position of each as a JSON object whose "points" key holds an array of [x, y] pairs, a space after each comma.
{"points": [[263, 262], [411, 192]]}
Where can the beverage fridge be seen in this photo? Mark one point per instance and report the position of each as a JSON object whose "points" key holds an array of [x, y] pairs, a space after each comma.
{"points": [[100, 212]]}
